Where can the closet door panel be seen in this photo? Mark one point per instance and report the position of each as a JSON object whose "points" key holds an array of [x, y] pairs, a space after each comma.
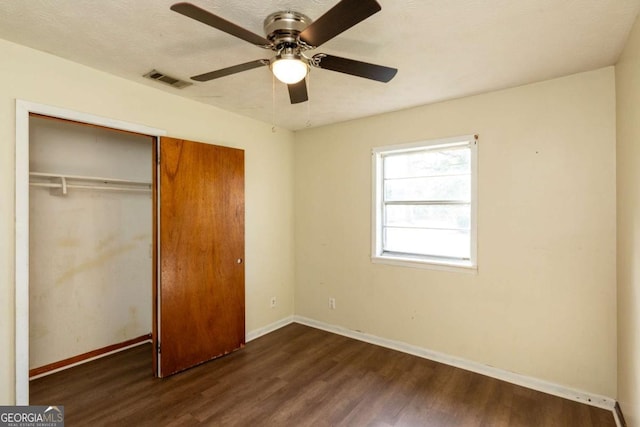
{"points": [[201, 240]]}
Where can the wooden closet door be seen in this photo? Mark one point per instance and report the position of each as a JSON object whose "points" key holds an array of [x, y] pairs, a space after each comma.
{"points": [[201, 249]]}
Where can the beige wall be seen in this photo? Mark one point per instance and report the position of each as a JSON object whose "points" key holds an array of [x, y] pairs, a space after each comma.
{"points": [[543, 302], [628, 169], [38, 77]]}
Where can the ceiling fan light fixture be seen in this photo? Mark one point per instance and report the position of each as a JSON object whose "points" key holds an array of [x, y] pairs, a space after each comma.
{"points": [[289, 69]]}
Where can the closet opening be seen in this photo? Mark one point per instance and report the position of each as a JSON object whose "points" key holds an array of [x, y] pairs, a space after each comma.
{"points": [[84, 239], [90, 242]]}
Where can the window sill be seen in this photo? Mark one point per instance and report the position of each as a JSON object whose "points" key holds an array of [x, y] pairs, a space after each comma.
{"points": [[457, 267]]}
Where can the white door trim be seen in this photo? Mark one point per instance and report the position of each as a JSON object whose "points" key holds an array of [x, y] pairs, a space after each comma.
{"points": [[23, 108]]}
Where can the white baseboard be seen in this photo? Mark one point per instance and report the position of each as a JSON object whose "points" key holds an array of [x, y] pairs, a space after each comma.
{"points": [[257, 333], [501, 374]]}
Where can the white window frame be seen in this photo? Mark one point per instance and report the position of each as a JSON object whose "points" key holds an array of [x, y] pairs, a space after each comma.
{"points": [[377, 209]]}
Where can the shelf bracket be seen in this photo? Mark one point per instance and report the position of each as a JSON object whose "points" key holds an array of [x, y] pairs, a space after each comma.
{"points": [[58, 187]]}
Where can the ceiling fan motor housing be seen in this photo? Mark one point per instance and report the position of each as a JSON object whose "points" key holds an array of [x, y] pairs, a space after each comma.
{"points": [[283, 28]]}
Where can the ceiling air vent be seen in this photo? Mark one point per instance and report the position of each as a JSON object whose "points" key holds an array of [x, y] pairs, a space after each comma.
{"points": [[171, 81]]}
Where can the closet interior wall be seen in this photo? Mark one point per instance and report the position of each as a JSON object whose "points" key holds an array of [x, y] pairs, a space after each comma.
{"points": [[90, 249]]}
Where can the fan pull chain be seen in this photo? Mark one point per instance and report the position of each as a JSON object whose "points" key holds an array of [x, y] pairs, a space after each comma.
{"points": [[308, 124], [273, 103]]}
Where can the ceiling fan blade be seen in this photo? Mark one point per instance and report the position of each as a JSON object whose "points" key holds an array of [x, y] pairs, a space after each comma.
{"points": [[298, 92], [230, 70], [339, 18], [355, 68], [194, 12]]}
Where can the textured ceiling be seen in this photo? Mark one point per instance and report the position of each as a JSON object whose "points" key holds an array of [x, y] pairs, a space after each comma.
{"points": [[443, 48]]}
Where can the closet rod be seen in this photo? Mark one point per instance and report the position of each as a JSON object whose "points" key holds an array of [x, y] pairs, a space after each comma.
{"points": [[89, 187], [88, 178], [87, 183]]}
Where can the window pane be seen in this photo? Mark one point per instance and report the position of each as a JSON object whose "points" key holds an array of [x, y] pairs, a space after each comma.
{"points": [[431, 216], [427, 163], [434, 188], [439, 243]]}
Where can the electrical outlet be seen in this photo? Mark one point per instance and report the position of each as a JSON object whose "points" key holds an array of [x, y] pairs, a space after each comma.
{"points": [[273, 302], [332, 303]]}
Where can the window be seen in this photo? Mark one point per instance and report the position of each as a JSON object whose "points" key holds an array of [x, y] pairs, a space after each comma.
{"points": [[424, 203]]}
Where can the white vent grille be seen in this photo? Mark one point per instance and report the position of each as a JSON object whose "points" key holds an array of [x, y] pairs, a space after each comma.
{"points": [[168, 80]]}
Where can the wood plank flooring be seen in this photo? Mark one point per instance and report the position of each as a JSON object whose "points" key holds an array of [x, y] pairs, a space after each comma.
{"points": [[300, 376]]}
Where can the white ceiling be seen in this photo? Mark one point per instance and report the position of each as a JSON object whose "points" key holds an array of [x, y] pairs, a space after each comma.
{"points": [[443, 48]]}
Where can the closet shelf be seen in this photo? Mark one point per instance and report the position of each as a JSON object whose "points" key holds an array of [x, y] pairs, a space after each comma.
{"points": [[64, 182]]}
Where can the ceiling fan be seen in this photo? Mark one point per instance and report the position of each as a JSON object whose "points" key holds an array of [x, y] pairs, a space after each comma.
{"points": [[290, 35]]}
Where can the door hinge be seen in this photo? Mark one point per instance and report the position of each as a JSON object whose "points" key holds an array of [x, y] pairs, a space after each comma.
{"points": [[158, 347], [158, 155]]}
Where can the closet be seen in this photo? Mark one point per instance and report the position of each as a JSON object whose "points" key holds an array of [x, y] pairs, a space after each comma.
{"points": [[132, 238], [90, 244]]}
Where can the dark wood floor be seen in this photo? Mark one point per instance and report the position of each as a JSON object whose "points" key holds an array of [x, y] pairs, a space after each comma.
{"points": [[300, 376]]}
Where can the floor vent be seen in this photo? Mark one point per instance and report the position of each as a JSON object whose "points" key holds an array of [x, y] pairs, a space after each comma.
{"points": [[171, 81]]}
